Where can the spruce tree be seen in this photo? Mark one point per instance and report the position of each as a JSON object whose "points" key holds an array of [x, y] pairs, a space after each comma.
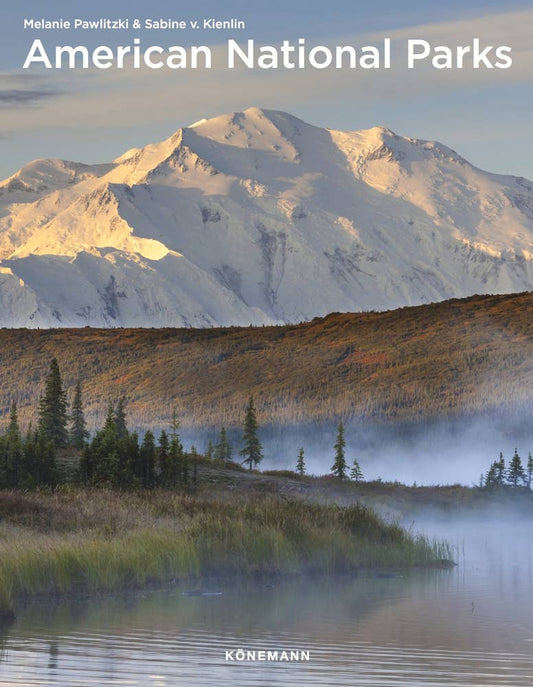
{"points": [[529, 469], [11, 453], [29, 447], [175, 460], [78, 427], [210, 451], [163, 460], [491, 478], [101, 459], [87, 466], [14, 447], [53, 417], [194, 461], [174, 425], [252, 449], [13, 431], [356, 474], [515, 473], [130, 468], [300, 463], [185, 465], [120, 419], [147, 455], [339, 466], [500, 470], [223, 448], [4, 464], [43, 470]]}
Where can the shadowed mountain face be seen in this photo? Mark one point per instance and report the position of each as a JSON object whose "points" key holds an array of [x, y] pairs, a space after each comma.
{"points": [[257, 217]]}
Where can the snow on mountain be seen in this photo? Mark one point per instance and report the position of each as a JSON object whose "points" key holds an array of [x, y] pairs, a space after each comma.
{"points": [[257, 217]]}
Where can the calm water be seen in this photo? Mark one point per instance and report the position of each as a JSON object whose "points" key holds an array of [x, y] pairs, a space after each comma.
{"points": [[469, 626]]}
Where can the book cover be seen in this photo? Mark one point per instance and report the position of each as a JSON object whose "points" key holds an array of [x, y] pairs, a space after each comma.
{"points": [[266, 343]]}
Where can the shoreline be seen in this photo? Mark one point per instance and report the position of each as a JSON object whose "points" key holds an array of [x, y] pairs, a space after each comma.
{"points": [[79, 540], [232, 523]]}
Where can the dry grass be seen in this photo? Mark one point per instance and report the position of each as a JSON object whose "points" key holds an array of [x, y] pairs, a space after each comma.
{"points": [[103, 540]]}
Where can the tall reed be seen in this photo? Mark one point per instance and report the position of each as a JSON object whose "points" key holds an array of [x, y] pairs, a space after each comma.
{"points": [[102, 540]]}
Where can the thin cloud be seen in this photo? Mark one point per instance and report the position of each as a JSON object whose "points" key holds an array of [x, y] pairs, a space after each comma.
{"points": [[15, 98], [122, 98]]}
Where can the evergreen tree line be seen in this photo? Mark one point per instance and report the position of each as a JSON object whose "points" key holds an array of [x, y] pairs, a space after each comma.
{"points": [[114, 456], [514, 475], [26, 462], [31, 461]]}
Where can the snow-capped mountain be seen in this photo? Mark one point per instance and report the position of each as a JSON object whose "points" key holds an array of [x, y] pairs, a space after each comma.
{"points": [[257, 217]]}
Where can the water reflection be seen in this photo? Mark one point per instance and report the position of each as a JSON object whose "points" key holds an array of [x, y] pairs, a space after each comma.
{"points": [[469, 626]]}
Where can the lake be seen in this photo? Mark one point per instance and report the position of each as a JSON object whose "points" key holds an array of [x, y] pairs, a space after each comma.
{"points": [[472, 625]]}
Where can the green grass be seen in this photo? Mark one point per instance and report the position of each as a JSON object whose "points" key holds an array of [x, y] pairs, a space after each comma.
{"points": [[79, 540]]}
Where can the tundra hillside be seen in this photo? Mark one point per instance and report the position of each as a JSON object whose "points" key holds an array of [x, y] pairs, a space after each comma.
{"points": [[440, 360]]}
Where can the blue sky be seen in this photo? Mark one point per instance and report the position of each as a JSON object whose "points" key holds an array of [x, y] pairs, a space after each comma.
{"points": [[95, 116]]}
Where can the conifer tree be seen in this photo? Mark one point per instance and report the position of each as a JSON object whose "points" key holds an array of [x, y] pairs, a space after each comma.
{"points": [[53, 408], [496, 474], [194, 461], [129, 462], [500, 471], [356, 474], [174, 425], [515, 473], [110, 425], [223, 448], [491, 478], [4, 464], [120, 419], [14, 447], [87, 465], [11, 453], [163, 460], [78, 427], [300, 463], [13, 431], [29, 447], [210, 451], [529, 470], [175, 459], [101, 460], [252, 449], [147, 455], [42, 468], [185, 465], [339, 466]]}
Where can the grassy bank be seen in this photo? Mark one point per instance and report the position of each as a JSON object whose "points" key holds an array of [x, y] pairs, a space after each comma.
{"points": [[80, 540]]}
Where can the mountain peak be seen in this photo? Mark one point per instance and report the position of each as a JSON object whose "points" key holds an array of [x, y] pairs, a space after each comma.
{"points": [[39, 177], [257, 216]]}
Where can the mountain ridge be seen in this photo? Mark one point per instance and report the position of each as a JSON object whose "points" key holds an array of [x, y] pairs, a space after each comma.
{"points": [[257, 217]]}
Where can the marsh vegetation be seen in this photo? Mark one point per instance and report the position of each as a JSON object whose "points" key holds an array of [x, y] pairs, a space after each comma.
{"points": [[75, 539]]}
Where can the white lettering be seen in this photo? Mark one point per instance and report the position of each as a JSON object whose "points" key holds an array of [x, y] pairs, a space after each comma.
{"points": [[37, 54]]}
